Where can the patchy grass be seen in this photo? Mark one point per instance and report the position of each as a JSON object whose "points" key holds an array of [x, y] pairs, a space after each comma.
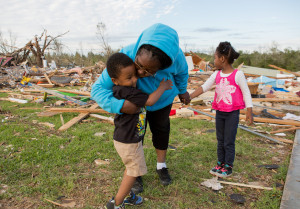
{"points": [[39, 163]]}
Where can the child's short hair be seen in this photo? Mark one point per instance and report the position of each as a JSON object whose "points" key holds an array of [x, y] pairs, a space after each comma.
{"points": [[225, 49], [116, 62]]}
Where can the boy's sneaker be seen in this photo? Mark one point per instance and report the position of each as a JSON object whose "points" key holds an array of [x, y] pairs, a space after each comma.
{"points": [[138, 185], [111, 205], [225, 171], [133, 199], [164, 176], [216, 169]]}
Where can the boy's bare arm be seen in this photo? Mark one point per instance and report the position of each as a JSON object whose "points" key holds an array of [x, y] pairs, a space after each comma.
{"points": [[129, 108], [164, 85]]}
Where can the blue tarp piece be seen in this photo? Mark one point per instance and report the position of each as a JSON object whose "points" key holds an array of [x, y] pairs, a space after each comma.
{"points": [[280, 89], [268, 81]]}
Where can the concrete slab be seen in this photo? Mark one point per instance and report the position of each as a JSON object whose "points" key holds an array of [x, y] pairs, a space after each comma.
{"points": [[291, 193]]}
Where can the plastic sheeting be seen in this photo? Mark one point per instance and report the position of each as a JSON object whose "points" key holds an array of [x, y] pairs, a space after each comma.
{"points": [[268, 81]]}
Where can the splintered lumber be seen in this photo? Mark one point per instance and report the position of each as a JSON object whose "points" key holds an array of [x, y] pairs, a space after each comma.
{"points": [[45, 85], [276, 99], [81, 110], [284, 70], [241, 127], [245, 185], [49, 81], [57, 94], [77, 119], [108, 119], [84, 93], [276, 121], [284, 130], [47, 114], [284, 140]]}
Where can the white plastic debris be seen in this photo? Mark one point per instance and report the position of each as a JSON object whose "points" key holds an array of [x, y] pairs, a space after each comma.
{"points": [[280, 134], [22, 101], [212, 183], [290, 116]]}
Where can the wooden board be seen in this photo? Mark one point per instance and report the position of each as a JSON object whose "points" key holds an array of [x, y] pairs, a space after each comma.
{"points": [[77, 119]]}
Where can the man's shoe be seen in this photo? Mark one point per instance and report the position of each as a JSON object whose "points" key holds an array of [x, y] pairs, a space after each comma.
{"points": [[164, 176], [111, 205], [216, 169], [138, 185], [225, 171], [133, 199]]}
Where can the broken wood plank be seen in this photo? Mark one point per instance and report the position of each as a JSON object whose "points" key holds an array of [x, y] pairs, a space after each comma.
{"points": [[195, 117], [284, 70], [245, 185], [276, 121], [45, 85], [62, 119], [47, 114], [77, 119], [107, 119], [57, 94], [284, 140], [276, 99], [284, 130], [49, 81], [81, 110]]}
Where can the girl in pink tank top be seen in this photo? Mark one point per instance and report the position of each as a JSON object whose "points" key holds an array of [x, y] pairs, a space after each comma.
{"points": [[227, 102]]}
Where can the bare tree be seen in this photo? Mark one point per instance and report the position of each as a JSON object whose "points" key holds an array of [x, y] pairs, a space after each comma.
{"points": [[40, 44], [37, 47], [7, 45], [101, 29]]}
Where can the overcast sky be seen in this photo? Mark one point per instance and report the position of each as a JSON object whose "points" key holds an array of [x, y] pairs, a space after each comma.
{"points": [[201, 25]]}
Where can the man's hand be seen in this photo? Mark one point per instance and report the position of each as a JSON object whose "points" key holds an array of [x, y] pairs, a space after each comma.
{"points": [[129, 108], [185, 98]]}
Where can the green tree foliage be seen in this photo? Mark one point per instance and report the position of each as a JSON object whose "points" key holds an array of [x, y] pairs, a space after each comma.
{"points": [[288, 59]]}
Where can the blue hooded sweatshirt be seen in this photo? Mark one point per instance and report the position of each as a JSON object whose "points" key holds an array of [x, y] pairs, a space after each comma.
{"points": [[164, 38]]}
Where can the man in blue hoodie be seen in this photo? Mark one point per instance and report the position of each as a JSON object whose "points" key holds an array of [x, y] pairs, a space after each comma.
{"points": [[157, 56]]}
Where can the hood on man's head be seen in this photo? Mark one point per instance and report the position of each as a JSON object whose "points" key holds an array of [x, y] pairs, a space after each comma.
{"points": [[162, 37]]}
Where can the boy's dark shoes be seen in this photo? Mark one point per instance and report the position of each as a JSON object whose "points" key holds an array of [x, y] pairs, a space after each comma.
{"points": [[138, 185], [164, 176], [111, 205], [133, 199], [225, 171], [216, 169]]}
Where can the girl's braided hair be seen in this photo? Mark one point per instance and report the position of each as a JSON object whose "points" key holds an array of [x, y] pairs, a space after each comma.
{"points": [[225, 49]]}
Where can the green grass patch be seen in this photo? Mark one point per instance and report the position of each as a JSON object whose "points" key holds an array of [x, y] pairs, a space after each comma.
{"points": [[38, 162]]}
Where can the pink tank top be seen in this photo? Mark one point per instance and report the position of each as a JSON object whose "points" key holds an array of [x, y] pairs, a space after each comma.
{"points": [[228, 95]]}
